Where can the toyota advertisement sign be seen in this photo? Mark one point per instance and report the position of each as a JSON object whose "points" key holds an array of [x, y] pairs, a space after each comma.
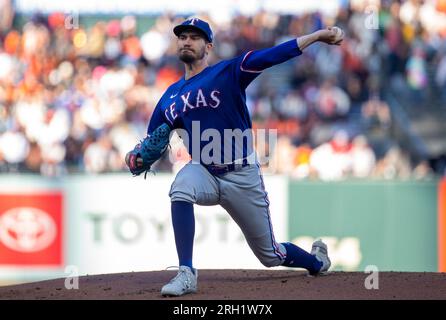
{"points": [[31, 229]]}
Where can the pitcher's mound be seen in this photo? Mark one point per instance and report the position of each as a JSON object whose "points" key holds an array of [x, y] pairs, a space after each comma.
{"points": [[241, 285]]}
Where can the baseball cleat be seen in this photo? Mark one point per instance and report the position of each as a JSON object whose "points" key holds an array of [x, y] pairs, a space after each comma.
{"points": [[319, 250], [184, 282]]}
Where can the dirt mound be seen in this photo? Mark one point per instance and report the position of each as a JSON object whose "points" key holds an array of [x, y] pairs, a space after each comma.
{"points": [[240, 285]]}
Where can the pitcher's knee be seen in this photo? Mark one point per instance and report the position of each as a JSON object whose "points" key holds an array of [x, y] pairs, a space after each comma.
{"points": [[270, 262], [179, 195], [181, 190]]}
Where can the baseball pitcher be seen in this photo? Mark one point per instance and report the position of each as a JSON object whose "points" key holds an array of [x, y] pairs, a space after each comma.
{"points": [[204, 104]]}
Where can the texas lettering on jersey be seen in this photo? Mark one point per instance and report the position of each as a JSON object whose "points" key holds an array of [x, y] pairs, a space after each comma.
{"points": [[191, 100]]}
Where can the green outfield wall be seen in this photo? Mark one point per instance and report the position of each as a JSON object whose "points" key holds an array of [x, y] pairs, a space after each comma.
{"points": [[391, 225]]}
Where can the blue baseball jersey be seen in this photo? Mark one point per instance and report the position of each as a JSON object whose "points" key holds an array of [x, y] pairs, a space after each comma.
{"points": [[212, 104]]}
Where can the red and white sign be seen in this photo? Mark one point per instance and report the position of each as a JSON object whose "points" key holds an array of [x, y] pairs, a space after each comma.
{"points": [[31, 229]]}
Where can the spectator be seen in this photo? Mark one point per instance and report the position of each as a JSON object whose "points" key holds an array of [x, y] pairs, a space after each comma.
{"points": [[14, 148], [363, 158], [333, 160], [423, 171], [100, 156], [332, 101], [440, 76], [395, 164], [417, 74], [302, 162]]}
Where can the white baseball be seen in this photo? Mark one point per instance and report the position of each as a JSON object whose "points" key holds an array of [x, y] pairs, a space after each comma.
{"points": [[338, 32]]}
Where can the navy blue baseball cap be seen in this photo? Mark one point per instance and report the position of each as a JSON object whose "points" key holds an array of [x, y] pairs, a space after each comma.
{"points": [[197, 24]]}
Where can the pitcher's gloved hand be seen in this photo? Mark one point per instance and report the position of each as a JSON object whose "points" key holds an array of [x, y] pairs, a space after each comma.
{"points": [[145, 153]]}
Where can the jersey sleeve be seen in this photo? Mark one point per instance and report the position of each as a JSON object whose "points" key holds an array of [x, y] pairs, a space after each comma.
{"points": [[157, 119], [251, 64]]}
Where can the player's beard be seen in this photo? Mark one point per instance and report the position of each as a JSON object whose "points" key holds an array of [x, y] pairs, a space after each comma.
{"points": [[190, 56]]}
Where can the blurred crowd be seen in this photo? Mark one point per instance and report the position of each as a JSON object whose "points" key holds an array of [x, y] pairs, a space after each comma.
{"points": [[76, 99]]}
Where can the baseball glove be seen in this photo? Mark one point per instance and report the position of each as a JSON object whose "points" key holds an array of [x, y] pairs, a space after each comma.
{"points": [[145, 153]]}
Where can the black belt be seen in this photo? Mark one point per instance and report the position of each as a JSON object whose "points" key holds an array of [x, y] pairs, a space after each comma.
{"points": [[220, 169]]}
